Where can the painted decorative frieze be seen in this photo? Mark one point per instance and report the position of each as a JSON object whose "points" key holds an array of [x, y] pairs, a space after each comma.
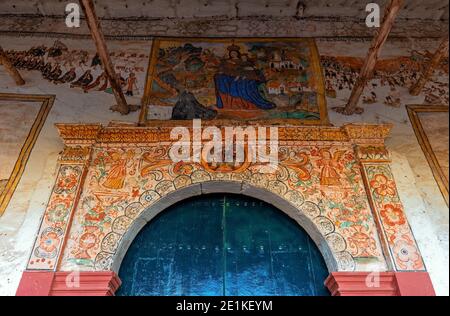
{"points": [[373, 153]]}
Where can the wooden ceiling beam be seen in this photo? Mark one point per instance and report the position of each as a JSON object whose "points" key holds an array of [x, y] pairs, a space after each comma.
{"points": [[9, 67], [429, 69], [102, 50], [371, 60]]}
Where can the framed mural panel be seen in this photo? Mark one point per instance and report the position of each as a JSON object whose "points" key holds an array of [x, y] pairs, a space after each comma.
{"points": [[21, 119], [234, 79], [430, 123]]}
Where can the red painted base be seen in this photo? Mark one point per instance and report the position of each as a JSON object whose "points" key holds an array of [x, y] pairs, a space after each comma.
{"points": [[380, 284], [35, 283], [48, 283]]}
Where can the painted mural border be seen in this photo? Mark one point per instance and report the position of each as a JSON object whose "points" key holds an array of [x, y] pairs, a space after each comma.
{"points": [[422, 138], [25, 152], [398, 241], [316, 65]]}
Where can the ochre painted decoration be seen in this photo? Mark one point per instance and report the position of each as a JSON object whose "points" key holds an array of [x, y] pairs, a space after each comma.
{"points": [[228, 79], [373, 153], [88, 134], [129, 172], [122, 185], [403, 248], [430, 124], [17, 140], [58, 214]]}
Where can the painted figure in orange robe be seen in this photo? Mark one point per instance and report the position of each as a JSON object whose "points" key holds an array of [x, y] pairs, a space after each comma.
{"points": [[131, 84], [116, 175], [330, 163]]}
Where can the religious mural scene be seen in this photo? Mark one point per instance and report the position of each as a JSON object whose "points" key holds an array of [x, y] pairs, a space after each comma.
{"points": [[224, 149], [80, 68], [236, 79]]}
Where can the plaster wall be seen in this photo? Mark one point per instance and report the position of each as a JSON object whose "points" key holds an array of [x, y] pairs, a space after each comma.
{"points": [[413, 9], [424, 205]]}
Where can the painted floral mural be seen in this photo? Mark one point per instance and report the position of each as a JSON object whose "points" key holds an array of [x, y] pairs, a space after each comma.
{"points": [[122, 182], [334, 187], [406, 255]]}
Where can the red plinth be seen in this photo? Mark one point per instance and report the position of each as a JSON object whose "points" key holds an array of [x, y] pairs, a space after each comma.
{"points": [[380, 284], [105, 283], [414, 284], [34, 283]]}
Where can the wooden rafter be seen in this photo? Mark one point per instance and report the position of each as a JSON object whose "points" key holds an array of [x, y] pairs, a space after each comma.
{"points": [[9, 67], [368, 67], [440, 53], [102, 50]]}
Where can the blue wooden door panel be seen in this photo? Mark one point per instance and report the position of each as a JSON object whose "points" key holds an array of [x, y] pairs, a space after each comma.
{"points": [[223, 245]]}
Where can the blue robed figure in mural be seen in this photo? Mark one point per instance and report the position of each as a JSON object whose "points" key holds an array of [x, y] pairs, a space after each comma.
{"points": [[239, 85]]}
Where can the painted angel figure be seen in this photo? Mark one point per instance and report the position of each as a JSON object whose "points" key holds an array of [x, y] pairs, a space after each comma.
{"points": [[115, 178], [330, 164]]}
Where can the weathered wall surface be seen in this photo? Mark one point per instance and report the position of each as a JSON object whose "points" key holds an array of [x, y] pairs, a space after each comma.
{"points": [[424, 205], [299, 18], [413, 9]]}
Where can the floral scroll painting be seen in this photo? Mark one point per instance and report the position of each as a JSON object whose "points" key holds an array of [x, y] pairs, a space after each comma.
{"points": [[21, 119], [235, 79]]}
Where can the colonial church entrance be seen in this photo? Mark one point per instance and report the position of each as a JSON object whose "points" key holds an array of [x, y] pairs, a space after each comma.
{"points": [[223, 245]]}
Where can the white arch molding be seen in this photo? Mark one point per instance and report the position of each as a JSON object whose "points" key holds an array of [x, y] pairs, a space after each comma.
{"points": [[231, 187]]}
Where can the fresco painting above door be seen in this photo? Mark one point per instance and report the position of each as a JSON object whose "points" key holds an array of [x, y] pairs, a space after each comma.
{"points": [[229, 79]]}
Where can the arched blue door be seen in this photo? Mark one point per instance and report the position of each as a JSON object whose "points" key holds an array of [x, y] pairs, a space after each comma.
{"points": [[223, 245]]}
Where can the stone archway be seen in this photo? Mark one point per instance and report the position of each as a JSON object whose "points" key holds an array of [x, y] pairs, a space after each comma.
{"points": [[209, 187], [222, 244]]}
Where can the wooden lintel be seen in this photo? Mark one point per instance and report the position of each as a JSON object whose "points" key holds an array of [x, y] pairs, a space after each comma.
{"points": [[9, 67], [102, 50], [370, 62]]}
